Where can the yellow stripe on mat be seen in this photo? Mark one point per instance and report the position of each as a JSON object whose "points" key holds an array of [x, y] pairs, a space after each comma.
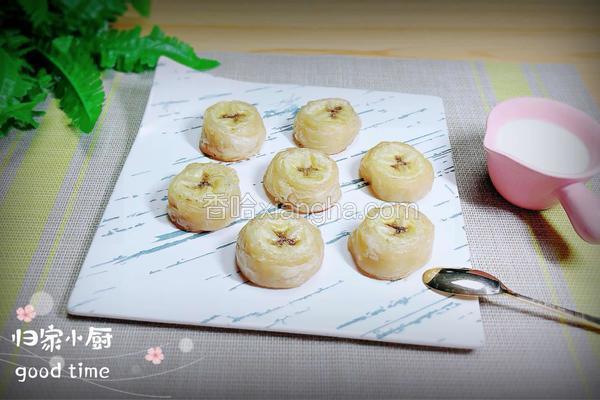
{"points": [[70, 204], [11, 149], [578, 260], [579, 264], [30, 199], [479, 85], [508, 80], [75, 191]]}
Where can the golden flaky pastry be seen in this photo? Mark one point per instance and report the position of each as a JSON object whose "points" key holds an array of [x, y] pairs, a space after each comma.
{"points": [[232, 131], [304, 180], [397, 172], [329, 125], [391, 242], [279, 250], [204, 197]]}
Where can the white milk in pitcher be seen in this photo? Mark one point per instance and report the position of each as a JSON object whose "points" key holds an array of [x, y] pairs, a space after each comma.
{"points": [[543, 146]]}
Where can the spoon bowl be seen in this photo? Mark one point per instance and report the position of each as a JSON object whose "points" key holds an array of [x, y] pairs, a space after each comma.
{"points": [[462, 281]]}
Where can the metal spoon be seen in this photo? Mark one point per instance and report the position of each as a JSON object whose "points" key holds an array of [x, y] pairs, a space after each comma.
{"points": [[472, 282]]}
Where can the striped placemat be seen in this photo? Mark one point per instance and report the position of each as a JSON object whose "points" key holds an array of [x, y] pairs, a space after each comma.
{"points": [[55, 182]]}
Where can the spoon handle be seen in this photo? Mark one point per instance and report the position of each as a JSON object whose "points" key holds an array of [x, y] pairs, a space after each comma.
{"points": [[586, 319]]}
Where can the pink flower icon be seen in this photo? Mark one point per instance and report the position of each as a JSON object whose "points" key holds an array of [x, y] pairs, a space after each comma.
{"points": [[26, 314], [155, 355]]}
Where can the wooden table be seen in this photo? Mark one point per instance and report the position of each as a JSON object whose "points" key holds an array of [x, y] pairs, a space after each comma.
{"points": [[525, 31]]}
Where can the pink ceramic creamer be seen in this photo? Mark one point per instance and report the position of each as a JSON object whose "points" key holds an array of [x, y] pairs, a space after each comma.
{"points": [[524, 183]]}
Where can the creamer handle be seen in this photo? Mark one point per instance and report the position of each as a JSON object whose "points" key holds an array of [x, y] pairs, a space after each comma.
{"points": [[583, 208]]}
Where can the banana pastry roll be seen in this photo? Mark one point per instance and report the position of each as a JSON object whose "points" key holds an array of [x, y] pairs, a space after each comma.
{"points": [[204, 197], [279, 250], [392, 242], [329, 125], [303, 180], [397, 171], [232, 131]]}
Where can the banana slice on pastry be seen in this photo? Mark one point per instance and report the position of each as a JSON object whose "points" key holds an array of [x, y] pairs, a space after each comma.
{"points": [[397, 172], [391, 242], [279, 250], [204, 197], [303, 180], [232, 131], [329, 125]]}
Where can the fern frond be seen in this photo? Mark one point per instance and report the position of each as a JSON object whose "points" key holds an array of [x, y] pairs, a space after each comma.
{"points": [[61, 46], [20, 93], [37, 12], [87, 17], [128, 52], [78, 82], [142, 7], [14, 43]]}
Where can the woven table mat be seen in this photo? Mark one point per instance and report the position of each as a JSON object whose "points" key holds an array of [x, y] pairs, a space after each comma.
{"points": [[55, 183]]}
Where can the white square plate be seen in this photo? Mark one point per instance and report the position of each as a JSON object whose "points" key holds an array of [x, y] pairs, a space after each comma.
{"points": [[140, 267]]}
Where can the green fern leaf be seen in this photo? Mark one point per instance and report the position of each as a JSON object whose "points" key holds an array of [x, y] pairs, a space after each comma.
{"points": [[13, 85], [20, 93], [87, 17], [78, 82], [128, 52], [23, 113], [142, 7], [15, 43], [37, 12]]}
